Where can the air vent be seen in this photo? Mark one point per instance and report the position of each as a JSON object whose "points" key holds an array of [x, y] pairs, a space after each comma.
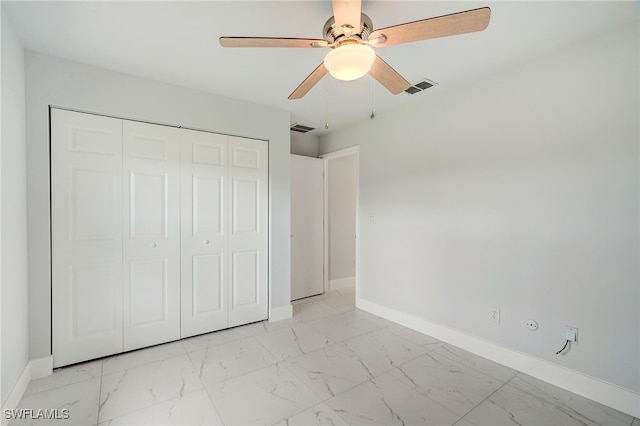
{"points": [[420, 86], [300, 128]]}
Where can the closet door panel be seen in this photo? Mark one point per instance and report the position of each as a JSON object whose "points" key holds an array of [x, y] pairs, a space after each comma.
{"points": [[149, 208], [203, 231], [248, 247], [151, 243], [148, 290], [86, 216], [207, 284], [246, 213], [207, 203], [246, 278]]}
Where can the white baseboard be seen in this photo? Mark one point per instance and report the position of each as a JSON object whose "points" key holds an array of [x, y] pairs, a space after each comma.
{"points": [[280, 313], [41, 367], [595, 389], [342, 283], [35, 369]]}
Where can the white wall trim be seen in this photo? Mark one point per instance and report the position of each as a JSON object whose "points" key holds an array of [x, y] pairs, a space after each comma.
{"points": [[35, 369], [280, 313], [352, 150], [595, 389], [342, 283]]}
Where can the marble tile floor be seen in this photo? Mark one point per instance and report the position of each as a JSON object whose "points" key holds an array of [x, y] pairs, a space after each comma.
{"points": [[331, 364]]}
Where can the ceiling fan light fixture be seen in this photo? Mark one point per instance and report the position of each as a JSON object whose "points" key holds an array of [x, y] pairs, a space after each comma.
{"points": [[349, 61]]}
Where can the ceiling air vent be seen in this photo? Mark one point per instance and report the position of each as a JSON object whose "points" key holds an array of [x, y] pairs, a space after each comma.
{"points": [[420, 86], [295, 127]]}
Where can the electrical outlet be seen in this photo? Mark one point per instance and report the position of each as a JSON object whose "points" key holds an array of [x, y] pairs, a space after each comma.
{"points": [[571, 334], [531, 325], [494, 314]]}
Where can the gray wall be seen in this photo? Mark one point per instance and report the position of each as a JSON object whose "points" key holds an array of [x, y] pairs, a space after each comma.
{"points": [[520, 191], [54, 81], [306, 144], [14, 340]]}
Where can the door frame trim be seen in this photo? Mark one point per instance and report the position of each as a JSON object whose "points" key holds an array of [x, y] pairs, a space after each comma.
{"points": [[353, 150]]}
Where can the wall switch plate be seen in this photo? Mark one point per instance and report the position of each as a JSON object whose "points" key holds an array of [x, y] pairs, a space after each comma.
{"points": [[494, 314], [531, 325], [571, 334]]}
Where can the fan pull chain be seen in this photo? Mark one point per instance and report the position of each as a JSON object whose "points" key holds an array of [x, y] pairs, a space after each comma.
{"points": [[326, 103], [373, 99]]}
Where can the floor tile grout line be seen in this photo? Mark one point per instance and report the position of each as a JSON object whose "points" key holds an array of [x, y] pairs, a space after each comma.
{"points": [[156, 404], [552, 400], [268, 350], [335, 343], [323, 316], [277, 361], [204, 388], [215, 406], [308, 388], [315, 350], [57, 387], [370, 379], [445, 354], [190, 361], [489, 396], [407, 341], [144, 364], [407, 386], [387, 371], [100, 391], [350, 337], [324, 401]]}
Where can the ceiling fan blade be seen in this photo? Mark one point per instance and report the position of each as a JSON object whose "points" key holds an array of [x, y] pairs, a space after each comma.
{"points": [[309, 82], [271, 42], [347, 12], [441, 26], [388, 77]]}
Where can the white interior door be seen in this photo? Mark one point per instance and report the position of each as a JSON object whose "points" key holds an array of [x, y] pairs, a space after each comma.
{"points": [[86, 216], [151, 240], [203, 232], [248, 244], [307, 211]]}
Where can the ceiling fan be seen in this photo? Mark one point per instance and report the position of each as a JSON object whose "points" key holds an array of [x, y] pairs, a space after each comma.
{"points": [[350, 35]]}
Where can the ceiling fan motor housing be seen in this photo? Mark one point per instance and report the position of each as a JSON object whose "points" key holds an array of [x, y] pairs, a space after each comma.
{"points": [[333, 34]]}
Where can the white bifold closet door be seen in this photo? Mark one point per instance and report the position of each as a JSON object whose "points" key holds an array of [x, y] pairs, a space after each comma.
{"points": [[204, 236], [151, 241], [224, 231], [158, 233], [248, 219], [86, 236]]}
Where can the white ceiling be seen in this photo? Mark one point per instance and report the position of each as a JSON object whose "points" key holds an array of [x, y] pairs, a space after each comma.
{"points": [[177, 42]]}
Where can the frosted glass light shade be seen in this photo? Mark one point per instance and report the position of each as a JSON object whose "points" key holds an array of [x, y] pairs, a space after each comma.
{"points": [[350, 61]]}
